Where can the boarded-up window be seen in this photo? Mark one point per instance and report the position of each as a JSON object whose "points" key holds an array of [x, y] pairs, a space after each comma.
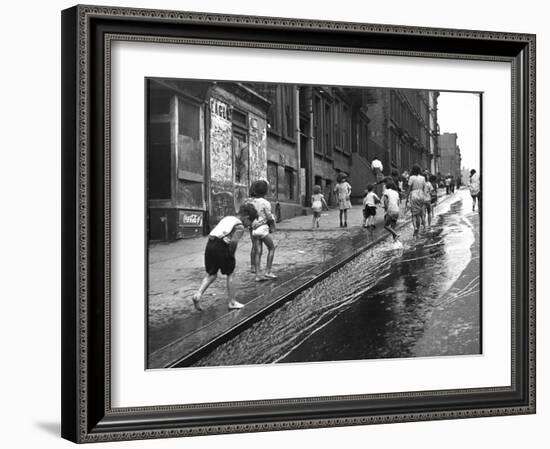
{"points": [[272, 178], [318, 125], [190, 187], [288, 103]]}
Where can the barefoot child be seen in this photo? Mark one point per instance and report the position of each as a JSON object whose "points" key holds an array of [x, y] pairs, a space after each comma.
{"points": [[220, 253], [317, 203], [369, 207], [262, 227], [391, 201], [343, 193]]}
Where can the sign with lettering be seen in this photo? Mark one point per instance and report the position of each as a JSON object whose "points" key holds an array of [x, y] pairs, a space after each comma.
{"points": [[190, 219], [220, 109]]}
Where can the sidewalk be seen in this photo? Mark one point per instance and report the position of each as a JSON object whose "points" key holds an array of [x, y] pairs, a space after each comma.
{"points": [[176, 330]]}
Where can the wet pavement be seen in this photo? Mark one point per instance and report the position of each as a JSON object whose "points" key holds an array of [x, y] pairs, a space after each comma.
{"points": [[176, 329], [419, 300]]}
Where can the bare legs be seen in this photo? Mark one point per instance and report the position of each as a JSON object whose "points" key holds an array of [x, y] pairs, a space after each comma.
{"points": [[232, 304], [315, 221], [391, 231], [252, 255], [416, 223], [270, 256], [344, 214], [207, 281]]}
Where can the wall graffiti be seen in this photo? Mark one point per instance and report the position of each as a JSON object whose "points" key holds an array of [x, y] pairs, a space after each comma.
{"points": [[223, 203], [220, 148], [258, 147]]}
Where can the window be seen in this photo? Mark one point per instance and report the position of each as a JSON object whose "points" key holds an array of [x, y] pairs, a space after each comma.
{"points": [[190, 186], [346, 129], [338, 143], [272, 179], [318, 181], [327, 131], [272, 93], [239, 118], [288, 104], [317, 125]]}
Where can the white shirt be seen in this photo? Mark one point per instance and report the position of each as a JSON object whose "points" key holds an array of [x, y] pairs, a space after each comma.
{"points": [[474, 184], [264, 210], [225, 227], [370, 199], [393, 201]]}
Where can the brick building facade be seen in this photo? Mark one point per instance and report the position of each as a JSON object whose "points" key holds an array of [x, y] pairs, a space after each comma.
{"points": [[451, 161], [208, 141]]}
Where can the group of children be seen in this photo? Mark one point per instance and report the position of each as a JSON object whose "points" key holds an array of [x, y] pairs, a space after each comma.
{"points": [[420, 194], [219, 255], [255, 214], [390, 201]]}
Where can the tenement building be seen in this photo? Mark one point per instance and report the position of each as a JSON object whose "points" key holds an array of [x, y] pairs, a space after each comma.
{"points": [[451, 160], [208, 141]]}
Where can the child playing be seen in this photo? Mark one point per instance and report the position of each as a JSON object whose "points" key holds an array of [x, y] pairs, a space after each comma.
{"points": [[343, 193], [220, 253], [369, 207], [262, 227], [431, 192], [391, 202], [317, 203]]}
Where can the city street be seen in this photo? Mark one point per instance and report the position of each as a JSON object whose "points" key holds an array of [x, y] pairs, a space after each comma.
{"points": [[302, 255], [421, 300]]}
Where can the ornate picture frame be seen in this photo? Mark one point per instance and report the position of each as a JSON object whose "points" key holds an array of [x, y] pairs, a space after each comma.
{"points": [[88, 33]]}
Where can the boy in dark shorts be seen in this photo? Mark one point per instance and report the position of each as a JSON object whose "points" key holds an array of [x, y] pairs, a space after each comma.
{"points": [[369, 207], [219, 254]]}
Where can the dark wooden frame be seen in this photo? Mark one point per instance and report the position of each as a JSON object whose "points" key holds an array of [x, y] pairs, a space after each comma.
{"points": [[87, 414]]}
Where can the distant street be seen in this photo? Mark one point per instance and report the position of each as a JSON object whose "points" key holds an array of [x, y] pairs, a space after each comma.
{"points": [[421, 300]]}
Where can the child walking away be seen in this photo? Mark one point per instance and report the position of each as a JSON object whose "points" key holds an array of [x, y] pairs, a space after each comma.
{"points": [[343, 193], [391, 201], [475, 190], [220, 253], [262, 227], [317, 204], [369, 207], [431, 191], [417, 198]]}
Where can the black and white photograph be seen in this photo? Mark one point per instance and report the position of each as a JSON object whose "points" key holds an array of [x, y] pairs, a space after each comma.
{"points": [[295, 223]]}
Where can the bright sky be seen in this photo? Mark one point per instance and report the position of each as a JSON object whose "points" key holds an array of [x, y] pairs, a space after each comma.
{"points": [[460, 113]]}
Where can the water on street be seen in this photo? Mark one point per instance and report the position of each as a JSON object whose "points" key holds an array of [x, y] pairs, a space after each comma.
{"points": [[419, 300]]}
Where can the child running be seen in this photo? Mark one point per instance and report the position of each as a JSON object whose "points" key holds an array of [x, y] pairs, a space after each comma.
{"points": [[317, 204], [262, 227], [369, 207], [391, 202], [220, 253]]}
